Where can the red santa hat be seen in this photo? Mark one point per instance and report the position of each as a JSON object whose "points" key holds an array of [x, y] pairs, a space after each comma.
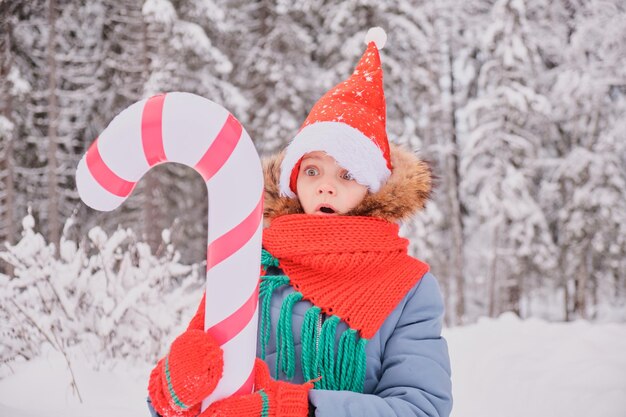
{"points": [[349, 124]]}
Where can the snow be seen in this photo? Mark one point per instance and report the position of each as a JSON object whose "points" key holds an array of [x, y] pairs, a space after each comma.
{"points": [[527, 96], [161, 11], [511, 367], [42, 388], [504, 367]]}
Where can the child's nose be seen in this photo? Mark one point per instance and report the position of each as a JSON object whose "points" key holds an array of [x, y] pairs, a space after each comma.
{"points": [[326, 188]]}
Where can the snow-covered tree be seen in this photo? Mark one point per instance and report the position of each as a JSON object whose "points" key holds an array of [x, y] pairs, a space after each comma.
{"points": [[517, 104], [180, 56], [272, 48], [57, 49], [497, 162], [109, 294], [13, 94], [582, 188]]}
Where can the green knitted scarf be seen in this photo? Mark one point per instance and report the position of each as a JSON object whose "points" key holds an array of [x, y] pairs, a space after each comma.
{"points": [[335, 369]]}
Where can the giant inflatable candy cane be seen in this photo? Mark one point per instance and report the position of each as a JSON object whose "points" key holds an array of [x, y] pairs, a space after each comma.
{"points": [[191, 130]]}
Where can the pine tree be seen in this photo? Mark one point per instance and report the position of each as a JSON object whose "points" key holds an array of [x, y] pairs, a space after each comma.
{"points": [[273, 53], [496, 166], [527, 202], [26, 152], [181, 57], [57, 49], [429, 103], [13, 91], [583, 191]]}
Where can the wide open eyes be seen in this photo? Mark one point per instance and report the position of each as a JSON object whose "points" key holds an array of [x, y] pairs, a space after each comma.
{"points": [[346, 175], [311, 171]]}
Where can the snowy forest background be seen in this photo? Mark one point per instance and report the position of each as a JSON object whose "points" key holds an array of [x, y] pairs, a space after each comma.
{"points": [[519, 106]]}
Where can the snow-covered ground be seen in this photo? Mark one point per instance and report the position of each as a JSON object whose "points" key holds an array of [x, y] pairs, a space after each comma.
{"points": [[502, 367], [509, 368]]}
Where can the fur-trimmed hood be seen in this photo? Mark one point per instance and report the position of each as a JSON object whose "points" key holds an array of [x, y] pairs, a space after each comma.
{"points": [[405, 193]]}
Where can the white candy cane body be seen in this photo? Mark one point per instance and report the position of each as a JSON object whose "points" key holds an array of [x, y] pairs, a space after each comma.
{"points": [[191, 130]]}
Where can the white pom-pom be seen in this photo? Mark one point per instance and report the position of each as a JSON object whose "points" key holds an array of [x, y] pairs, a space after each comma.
{"points": [[376, 35]]}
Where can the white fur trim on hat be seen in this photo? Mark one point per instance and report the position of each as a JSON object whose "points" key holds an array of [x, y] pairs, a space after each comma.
{"points": [[351, 149]]}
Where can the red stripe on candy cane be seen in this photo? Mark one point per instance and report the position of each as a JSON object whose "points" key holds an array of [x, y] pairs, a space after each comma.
{"points": [[246, 388], [230, 242], [152, 130], [103, 174], [232, 325], [221, 148]]}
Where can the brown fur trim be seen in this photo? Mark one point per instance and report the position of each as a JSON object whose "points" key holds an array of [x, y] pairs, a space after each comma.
{"points": [[274, 204], [404, 194]]}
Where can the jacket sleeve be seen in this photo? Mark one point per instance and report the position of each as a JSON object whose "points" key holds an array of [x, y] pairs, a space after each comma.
{"points": [[415, 367]]}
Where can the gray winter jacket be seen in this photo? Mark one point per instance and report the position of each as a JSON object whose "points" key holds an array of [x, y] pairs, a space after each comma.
{"points": [[408, 367]]}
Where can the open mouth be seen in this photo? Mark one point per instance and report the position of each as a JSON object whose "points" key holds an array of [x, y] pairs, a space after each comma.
{"points": [[326, 209]]}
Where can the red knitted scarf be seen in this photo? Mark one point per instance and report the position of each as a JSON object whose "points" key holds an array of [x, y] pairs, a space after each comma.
{"points": [[354, 267]]}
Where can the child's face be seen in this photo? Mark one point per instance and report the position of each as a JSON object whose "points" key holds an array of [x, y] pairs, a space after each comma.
{"points": [[325, 188]]}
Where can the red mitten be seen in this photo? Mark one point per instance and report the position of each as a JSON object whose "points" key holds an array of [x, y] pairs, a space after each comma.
{"points": [[271, 399], [187, 374], [197, 322]]}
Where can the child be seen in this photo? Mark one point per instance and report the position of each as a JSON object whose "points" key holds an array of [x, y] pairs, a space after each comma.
{"points": [[350, 324]]}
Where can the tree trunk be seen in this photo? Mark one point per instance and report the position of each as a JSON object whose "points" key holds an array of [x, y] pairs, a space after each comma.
{"points": [[54, 226], [9, 199], [522, 292], [447, 294], [580, 297], [8, 225], [493, 274], [566, 280], [595, 297], [453, 186], [514, 292], [149, 208], [566, 301]]}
